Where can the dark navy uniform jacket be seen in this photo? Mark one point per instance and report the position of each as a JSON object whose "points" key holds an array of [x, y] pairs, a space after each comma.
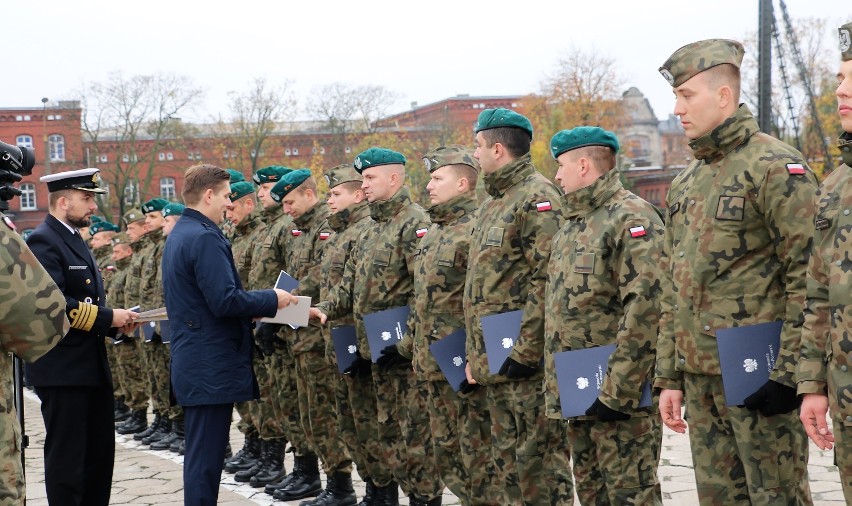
{"points": [[80, 357], [210, 315]]}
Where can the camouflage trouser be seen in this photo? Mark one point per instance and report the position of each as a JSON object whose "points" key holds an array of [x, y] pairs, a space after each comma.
{"points": [[263, 410], [285, 398], [843, 455], [418, 448], [12, 487], [161, 369], [132, 366], [530, 451], [390, 409], [248, 409], [461, 433], [616, 462], [346, 422], [317, 409], [151, 357], [365, 418], [741, 456], [117, 383]]}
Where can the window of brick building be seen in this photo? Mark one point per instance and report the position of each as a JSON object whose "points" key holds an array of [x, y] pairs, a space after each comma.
{"points": [[24, 141], [167, 188], [56, 144], [28, 197]]}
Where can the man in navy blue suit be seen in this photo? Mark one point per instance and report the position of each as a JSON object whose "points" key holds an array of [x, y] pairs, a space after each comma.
{"points": [[210, 316], [73, 380]]}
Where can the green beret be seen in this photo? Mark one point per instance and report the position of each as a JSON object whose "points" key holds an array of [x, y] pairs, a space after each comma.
{"points": [[374, 157], [341, 174], [845, 33], [120, 239], [583, 136], [288, 183], [156, 204], [95, 218], [175, 209], [501, 118], [236, 176], [133, 215], [271, 174], [699, 56], [102, 226], [449, 155], [240, 189]]}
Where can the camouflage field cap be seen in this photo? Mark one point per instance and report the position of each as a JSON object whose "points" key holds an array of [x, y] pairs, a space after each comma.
{"points": [[175, 209], [580, 137], [374, 157], [699, 56], [120, 239], [236, 176], [845, 34], [345, 173], [155, 204], [288, 183], [271, 174], [240, 189], [102, 226], [500, 118], [449, 155], [133, 216]]}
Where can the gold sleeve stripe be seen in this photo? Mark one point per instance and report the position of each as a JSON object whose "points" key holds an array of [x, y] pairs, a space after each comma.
{"points": [[84, 316]]}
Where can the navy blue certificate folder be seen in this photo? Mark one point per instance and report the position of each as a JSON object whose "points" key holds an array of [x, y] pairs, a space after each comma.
{"points": [[747, 355], [345, 346], [450, 354], [165, 331], [148, 329], [385, 328], [286, 282], [579, 376], [500, 331]]}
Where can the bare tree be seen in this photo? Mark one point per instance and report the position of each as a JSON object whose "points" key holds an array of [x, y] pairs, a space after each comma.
{"points": [[135, 117], [254, 117]]}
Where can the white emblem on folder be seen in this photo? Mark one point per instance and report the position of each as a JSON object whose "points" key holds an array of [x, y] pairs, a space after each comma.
{"points": [[750, 365], [352, 349], [457, 361], [582, 383], [386, 336], [507, 342]]}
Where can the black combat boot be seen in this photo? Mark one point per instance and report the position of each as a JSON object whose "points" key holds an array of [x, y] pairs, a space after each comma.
{"points": [[338, 492], [245, 475], [246, 457], [136, 423], [150, 429], [274, 470], [308, 483], [165, 443], [121, 411], [180, 431], [369, 494], [283, 482], [387, 496], [414, 501], [162, 431]]}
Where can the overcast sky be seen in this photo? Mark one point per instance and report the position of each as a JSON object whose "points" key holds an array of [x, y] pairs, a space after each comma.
{"points": [[424, 51]]}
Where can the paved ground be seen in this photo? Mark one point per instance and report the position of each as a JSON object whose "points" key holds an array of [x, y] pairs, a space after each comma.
{"points": [[153, 477]]}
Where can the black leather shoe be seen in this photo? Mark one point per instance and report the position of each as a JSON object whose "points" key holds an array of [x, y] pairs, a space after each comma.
{"points": [[338, 492], [165, 443], [158, 420], [282, 483], [121, 411], [245, 475], [369, 494], [246, 457], [274, 470], [306, 485], [137, 422]]}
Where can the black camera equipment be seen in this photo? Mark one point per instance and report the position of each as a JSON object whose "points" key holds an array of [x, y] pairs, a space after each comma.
{"points": [[15, 163]]}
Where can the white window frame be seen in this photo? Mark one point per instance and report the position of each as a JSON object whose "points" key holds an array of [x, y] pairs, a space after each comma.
{"points": [[28, 197], [168, 189], [131, 192], [56, 146], [24, 140]]}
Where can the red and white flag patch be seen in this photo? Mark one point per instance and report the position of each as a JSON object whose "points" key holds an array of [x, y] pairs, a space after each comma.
{"points": [[543, 206], [295, 233], [421, 232], [324, 235], [795, 169], [637, 231]]}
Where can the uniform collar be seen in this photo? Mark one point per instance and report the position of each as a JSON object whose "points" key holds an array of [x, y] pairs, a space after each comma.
{"points": [[384, 210], [845, 145], [102, 250], [497, 183], [352, 214], [452, 210], [271, 214], [124, 262], [155, 235], [595, 195], [248, 223], [198, 216], [726, 137], [312, 216]]}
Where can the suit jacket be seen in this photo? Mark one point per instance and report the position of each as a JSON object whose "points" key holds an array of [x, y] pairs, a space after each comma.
{"points": [[209, 315], [80, 357]]}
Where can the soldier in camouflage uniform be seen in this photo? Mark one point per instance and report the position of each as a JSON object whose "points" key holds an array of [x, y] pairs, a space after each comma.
{"points": [[305, 247], [380, 278], [602, 289], [350, 219], [738, 236], [32, 322], [127, 353], [823, 372], [170, 435], [507, 271], [457, 421], [245, 218]]}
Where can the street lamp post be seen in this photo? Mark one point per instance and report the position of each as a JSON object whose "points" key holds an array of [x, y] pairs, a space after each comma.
{"points": [[44, 131]]}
